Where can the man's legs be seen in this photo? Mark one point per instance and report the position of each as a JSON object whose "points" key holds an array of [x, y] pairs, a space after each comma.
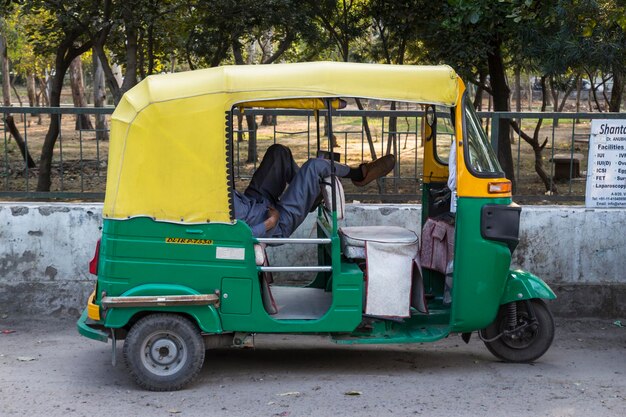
{"points": [[277, 169], [299, 197]]}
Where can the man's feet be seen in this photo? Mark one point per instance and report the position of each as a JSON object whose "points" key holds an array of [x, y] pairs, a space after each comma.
{"points": [[376, 169]]}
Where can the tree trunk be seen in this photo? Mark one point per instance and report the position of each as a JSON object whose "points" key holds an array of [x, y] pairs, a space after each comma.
{"points": [[617, 91], [118, 85], [252, 151], [571, 84], [112, 73], [534, 143], [501, 94], [530, 94], [99, 99], [151, 49], [518, 90], [17, 95], [44, 90], [579, 85], [554, 96], [43, 99], [366, 127], [141, 59], [47, 150], [478, 98], [589, 103], [604, 91], [4, 68], [65, 54], [172, 63], [130, 77], [20, 141], [83, 122], [518, 97], [31, 90], [267, 120], [594, 88], [250, 119]]}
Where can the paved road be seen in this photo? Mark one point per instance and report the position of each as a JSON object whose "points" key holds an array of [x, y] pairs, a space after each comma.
{"points": [[584, 374]]}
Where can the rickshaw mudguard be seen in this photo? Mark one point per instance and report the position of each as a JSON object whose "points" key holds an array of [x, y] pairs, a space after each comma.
{"points": [[206, 317], [522, 285], [88, 331]]}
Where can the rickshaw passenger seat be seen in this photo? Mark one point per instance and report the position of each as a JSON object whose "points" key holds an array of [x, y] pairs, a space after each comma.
{"points": [[353, 239], [390, 254]]}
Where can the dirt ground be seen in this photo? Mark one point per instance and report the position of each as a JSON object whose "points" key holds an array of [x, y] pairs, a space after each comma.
{"points": [[47, 369]]}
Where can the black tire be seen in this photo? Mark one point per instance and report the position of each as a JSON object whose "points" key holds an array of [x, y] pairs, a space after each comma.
{"points": [[527, 345], [164, 352]]}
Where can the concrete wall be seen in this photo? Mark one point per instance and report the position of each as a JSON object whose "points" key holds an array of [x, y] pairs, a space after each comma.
{"points": [[44, 252], [581, 253]]}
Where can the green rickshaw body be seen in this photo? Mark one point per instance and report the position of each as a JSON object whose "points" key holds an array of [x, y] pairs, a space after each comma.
{"points": [[142, 257]]}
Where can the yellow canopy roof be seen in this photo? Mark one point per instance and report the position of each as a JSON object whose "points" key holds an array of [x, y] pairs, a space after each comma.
{"points": [[168, 149]]}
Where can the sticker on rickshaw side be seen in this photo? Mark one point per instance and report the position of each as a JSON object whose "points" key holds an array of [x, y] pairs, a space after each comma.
{"points": [[185, 241]]}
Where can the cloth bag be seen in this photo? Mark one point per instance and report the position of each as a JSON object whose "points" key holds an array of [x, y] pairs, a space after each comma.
{"points": [[437, 246]]}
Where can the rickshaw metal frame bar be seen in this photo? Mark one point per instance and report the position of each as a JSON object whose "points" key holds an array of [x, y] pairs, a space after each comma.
{"points": [[333, 177], [295, 268], [342, 113], [160, 301], [284, 240]]}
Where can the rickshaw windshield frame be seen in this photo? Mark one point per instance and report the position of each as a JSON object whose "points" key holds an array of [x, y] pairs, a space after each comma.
{"points": [[480, 157]]}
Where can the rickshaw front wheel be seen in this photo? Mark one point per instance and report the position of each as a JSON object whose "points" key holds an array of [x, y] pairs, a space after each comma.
{"points": [[522, 336], [164, 352]]}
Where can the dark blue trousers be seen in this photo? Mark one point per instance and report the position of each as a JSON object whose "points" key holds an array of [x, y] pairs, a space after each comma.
{"points": [[292, 190]]}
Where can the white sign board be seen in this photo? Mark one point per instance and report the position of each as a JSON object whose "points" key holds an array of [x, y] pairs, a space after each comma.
{"points": [[606, 170]]}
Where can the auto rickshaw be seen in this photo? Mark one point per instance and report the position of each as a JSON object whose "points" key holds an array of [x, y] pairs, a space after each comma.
{"points": [[177, 274]]}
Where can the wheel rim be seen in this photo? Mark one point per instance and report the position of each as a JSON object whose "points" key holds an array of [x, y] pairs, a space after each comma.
{"points": [[520, 339], [163, 353]]}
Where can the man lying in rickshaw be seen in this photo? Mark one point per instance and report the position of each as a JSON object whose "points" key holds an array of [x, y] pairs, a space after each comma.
{"points": [[281, 194]]}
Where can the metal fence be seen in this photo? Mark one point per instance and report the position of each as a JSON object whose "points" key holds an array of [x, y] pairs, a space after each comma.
{"points": [[80, 152], [80, 155], [564, 157]]}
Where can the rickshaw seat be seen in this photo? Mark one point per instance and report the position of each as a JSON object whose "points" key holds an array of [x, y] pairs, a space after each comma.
{"points": [[353, 238], [390, 254]]}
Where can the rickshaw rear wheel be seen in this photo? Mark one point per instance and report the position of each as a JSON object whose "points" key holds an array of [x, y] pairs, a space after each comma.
{"points": [[164, 352], [528, 340]]}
